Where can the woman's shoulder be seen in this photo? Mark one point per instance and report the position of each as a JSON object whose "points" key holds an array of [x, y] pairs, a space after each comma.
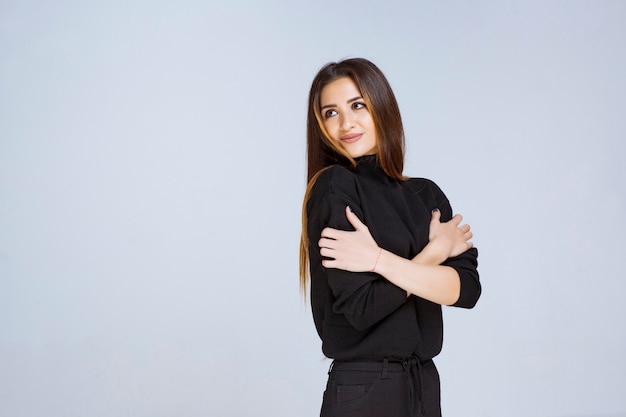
{"points": [[336, 172], [332, 182], [422, 185], [335, 178], [430, 193]]}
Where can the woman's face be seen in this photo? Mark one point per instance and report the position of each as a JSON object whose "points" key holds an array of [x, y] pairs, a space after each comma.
{"points": [[347, 119]]}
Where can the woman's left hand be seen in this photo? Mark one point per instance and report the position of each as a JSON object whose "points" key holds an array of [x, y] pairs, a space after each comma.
{"points": [[351, 251]]}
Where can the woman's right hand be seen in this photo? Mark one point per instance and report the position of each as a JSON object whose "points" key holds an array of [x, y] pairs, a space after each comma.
{"points": [[445, 240]]}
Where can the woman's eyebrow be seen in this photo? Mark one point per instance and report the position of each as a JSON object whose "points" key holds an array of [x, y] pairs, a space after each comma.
{"points": [[349, 101]]}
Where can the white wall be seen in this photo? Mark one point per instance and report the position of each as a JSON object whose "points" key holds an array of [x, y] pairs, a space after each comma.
{"points": [[151, 174]]}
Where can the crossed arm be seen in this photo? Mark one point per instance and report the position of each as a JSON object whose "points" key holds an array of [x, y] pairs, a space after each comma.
{"points": [[423, 275]]}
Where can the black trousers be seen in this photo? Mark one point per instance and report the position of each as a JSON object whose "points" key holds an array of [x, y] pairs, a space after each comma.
{"points": [[389, 388]]}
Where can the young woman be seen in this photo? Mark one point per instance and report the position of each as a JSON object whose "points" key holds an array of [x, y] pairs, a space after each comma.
{"points": [[383, 251]]}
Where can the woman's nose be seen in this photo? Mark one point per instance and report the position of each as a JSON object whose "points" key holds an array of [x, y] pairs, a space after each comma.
{"points": [[347, 122]]}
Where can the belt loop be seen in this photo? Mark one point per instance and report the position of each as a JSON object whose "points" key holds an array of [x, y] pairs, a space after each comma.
{"points": [[383, 374]]}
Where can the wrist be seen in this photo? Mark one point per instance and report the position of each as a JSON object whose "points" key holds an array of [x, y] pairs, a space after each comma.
{"points": [[429, 256], [380, 250]]}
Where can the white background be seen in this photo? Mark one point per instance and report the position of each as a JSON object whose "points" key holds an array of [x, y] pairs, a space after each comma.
{"points": [[152, 165]]}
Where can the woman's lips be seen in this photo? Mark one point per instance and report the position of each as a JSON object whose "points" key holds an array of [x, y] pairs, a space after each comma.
{"points": [[351, 138]]}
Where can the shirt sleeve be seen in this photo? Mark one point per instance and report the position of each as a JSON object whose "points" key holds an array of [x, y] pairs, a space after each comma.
{"points": [[364, 298], [466, 264]]}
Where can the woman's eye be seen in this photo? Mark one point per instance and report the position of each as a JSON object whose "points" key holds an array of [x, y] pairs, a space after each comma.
{"points": [[329, 113], [358, 105]]}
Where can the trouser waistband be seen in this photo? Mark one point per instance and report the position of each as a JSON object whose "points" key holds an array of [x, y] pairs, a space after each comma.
{"points": [[368, 366], [411, 366]]}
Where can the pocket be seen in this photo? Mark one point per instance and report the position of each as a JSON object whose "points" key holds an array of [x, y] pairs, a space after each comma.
{"points": [[354, 387], [349, 392]]}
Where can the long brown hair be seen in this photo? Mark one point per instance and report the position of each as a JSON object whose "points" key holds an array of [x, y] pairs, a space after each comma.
{"points": [[322, 152]]}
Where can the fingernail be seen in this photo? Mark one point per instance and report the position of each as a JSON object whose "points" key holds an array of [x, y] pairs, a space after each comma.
{"points": [[435, 210], [350, 208]]}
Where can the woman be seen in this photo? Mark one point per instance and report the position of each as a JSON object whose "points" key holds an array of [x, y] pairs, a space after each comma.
{"points": [[383, 251]]}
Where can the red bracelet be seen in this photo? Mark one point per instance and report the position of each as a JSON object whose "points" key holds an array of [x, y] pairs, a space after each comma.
{"points": [[380, 250]]}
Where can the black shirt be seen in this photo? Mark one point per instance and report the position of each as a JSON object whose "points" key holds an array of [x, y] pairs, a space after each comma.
{"points": [[362, 315]]}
